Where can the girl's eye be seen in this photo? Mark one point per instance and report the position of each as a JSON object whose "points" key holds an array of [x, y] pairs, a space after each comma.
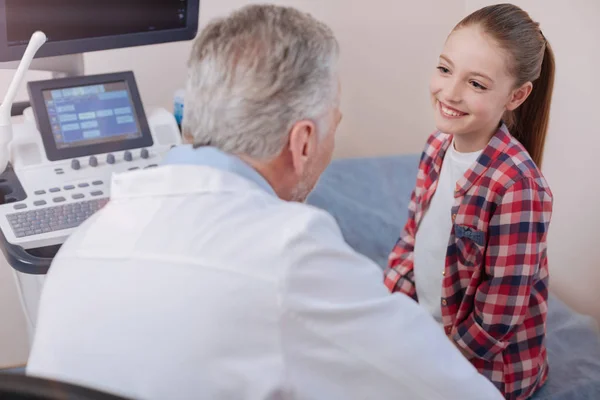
{"points": [[477, 85], [443, 70]]}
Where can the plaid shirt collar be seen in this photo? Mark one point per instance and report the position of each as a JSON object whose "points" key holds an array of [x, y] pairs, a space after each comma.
{"points": [[495, 147]]}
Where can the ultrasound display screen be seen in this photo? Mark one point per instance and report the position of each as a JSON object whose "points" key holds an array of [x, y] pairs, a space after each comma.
{"points": [[91, 114], [63, 20]]}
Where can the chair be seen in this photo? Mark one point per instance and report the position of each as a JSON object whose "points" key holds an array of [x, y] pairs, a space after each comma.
{"points": [[21, 387]]}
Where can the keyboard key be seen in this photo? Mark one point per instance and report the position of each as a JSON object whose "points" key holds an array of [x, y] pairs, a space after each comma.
{"points": [[83, 185], [97, 193], [39, 203], [54, 190], [97, 183], [77, 197], [55, 218], [20, 206], [69, 187], [58, 199], [39, 192]]}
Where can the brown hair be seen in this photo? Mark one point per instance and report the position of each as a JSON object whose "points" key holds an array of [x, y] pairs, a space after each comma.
{"points": [[532, 61]]}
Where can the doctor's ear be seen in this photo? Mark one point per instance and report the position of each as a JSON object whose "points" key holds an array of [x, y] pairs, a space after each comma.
{"points": [[302, 144]]}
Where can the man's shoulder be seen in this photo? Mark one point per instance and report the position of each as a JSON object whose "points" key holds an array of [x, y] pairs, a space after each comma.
{"points": [[300, 219], [288, 231]]}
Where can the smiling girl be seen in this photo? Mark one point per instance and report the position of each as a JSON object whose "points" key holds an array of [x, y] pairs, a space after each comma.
{"points": [[473, 251]]}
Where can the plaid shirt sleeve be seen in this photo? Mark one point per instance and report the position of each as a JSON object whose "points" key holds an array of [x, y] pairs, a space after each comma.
{"points": [[516, 244], [399, 275]]}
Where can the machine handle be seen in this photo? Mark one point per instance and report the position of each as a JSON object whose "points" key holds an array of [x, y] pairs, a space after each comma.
{"points": [[36, 262]]}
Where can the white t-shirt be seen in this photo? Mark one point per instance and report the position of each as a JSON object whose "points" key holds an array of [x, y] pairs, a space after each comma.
{"points": [[431, 241]]}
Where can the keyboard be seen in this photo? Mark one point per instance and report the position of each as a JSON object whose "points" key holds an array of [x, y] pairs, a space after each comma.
{"points": [[56, 218]]}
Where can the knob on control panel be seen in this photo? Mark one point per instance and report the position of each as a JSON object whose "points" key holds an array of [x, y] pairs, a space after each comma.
{"points": [[93, 161], [75, 164], [144, 153], [127, 156], [110, 159]]}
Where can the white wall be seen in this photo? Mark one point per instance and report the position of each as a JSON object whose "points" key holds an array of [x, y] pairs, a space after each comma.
{"points": [[385, 69], [388, 52]]}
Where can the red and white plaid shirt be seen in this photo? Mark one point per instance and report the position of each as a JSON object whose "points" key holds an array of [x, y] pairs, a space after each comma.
{"points": [[495, 285]]}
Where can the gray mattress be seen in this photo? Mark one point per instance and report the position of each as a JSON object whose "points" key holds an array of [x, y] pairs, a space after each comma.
{"points": [[369, 199]]}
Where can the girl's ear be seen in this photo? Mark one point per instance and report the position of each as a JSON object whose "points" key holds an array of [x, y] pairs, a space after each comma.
{"points": [[519, 95]]}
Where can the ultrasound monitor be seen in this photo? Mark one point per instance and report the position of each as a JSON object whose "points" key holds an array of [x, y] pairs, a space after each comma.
{"points": [[78, 26], [89, 115]]}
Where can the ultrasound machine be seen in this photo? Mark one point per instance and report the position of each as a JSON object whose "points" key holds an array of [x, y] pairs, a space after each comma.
{"points": [[77, 130]]}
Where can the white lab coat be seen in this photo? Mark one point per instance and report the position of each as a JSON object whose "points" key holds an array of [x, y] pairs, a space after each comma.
{"points": [[195, 283]]}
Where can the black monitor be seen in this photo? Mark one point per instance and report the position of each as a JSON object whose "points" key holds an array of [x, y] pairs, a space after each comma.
{"points": [[78, 26]]}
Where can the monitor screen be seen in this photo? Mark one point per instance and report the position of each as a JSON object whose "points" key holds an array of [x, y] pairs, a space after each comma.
{"points": [[93, 114], [80, 19], [79, 26]]}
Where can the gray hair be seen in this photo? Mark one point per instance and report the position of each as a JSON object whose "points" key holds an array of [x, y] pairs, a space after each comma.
{"points": [[251, 76]]}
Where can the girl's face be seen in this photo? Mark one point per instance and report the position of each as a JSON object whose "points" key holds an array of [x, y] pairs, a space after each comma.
{"points": [[471, 87]]}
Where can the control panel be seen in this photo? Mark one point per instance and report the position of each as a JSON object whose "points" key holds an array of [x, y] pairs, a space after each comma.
{"points": [[77, 135]]}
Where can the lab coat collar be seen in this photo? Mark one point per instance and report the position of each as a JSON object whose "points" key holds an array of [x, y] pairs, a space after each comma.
{"points": [[213, 157]]}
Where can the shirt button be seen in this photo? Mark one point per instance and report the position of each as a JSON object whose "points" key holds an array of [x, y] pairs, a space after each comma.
{"points": [[444, 273], [453, 217], [444, 302], [448, 329]]}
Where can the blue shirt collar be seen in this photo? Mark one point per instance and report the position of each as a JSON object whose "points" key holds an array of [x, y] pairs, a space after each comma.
{"points": [[215, 158]]}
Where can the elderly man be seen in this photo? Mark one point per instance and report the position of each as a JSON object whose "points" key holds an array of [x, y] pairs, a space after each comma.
{"points": [[208, 278]]}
